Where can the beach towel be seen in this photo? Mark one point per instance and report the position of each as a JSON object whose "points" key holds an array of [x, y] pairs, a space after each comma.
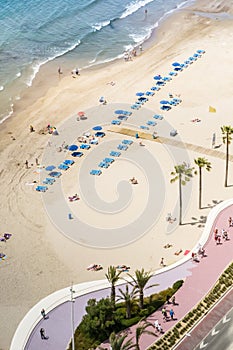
{"points": [[212, 109]]}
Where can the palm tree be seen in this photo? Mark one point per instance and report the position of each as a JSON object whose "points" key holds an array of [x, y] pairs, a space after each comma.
{"points": [[202, 163], [142, 329], [140, 280], [183, 173], [116, 342], [129, 299], [113, 277], [226, 136]]}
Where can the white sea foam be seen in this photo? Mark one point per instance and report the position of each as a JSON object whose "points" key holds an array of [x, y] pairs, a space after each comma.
{"points": [[98, 26], [134, 6], [18, 74], [36, 66], [1, 88]]}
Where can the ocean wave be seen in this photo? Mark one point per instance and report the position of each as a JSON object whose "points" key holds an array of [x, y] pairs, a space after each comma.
{"points": [[18, 74], [8, 115], [134, 6], [36, 66], [1, 88], [100, 25]]}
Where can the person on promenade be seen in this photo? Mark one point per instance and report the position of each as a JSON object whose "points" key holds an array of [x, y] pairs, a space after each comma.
{"points": [[173, 300], [230, 221], [224, 235], [42, 333], [172, 313], [164, 313], [43, 314]]}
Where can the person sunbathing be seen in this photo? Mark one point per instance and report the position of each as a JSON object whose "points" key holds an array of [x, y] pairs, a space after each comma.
{"points": [[168, 245], [134, 181], [74, 198], [178, 252]]}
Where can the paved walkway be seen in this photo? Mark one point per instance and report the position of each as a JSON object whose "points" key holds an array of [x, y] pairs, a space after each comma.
{"points": [[202, 277], [199, 278]]}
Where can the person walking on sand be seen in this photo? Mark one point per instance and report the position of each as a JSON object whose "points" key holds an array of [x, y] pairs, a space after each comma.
{"points": [[59, 70], [26, 164], [162, 262]]}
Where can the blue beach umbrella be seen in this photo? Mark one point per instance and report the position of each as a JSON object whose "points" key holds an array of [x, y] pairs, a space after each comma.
{"points": [[97, 127], [139, 93], [50, 167], [157, 77], [73, 148], [164, 102], [176, 64]]}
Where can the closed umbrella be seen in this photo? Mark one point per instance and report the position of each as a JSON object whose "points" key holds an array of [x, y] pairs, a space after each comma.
{"points": [[164, 102], [73, 148], [98, 127]]}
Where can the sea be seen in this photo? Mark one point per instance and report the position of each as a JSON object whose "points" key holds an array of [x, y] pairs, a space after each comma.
{"points": [[83, 33]]}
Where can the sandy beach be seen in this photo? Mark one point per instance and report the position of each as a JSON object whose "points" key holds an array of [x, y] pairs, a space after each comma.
{"points": [[40, 259]]}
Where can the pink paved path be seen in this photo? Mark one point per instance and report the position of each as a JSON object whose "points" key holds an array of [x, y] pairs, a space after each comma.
{"points": [[203, 276]]}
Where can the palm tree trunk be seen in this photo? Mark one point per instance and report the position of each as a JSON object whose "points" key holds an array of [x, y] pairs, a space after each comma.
{"points": [[227, 160], [128, 310], [200, 187], [141, 299], [113, 295], [180, 197]]}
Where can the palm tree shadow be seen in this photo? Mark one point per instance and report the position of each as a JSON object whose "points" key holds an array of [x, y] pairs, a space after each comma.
{"points": [[213, 204], [201, 221]]}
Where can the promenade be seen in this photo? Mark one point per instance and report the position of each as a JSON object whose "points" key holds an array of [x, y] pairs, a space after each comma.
{"points": [[199, 278]]}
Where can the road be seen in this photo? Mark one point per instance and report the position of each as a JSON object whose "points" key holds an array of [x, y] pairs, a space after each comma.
{"points": [[220, 336]]}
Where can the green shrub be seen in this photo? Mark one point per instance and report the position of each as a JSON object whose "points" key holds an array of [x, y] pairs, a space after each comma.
{"points": [[177, 285]]}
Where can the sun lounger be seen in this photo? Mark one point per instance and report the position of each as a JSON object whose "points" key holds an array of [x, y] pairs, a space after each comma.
{"points": [[151, 123], [85, 146], [128, 113], [165, 107], [122, 117], [68, 162], [109, 160], [160, 83], [200, 51], [127, 142], [94, 141], [172, 73], [158, 116], [115, 154], [95, 172], [99, 134], [122, 147], [142, 99], [167, 78], [49, 181], [150, 93], [135, 106], [55, 174], [144, 127], [77, 154], [63, 166], [41, 188], [116, 122], [155, 88], [104, 165]]}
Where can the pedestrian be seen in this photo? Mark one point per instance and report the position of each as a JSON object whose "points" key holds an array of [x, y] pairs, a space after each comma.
{"points": [[159, 328], [26, 164], [140, 48], [174, 300], [168, 299], [172, 314], [164, 313], [59, 70], [162, 262], [42, 333], [43, 313], [77, 71], [230, 221], [37, 162], [70, 216]]}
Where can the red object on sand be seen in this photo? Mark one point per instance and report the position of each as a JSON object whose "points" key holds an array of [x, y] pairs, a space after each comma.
{"points": [[81, 114], [186, 252]]}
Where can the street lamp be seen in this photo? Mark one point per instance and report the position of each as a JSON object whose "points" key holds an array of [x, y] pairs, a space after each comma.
{"points": [[72, 299]]}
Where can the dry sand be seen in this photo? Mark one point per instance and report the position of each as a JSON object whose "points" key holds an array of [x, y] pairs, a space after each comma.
{"points": [[40, 259]]}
